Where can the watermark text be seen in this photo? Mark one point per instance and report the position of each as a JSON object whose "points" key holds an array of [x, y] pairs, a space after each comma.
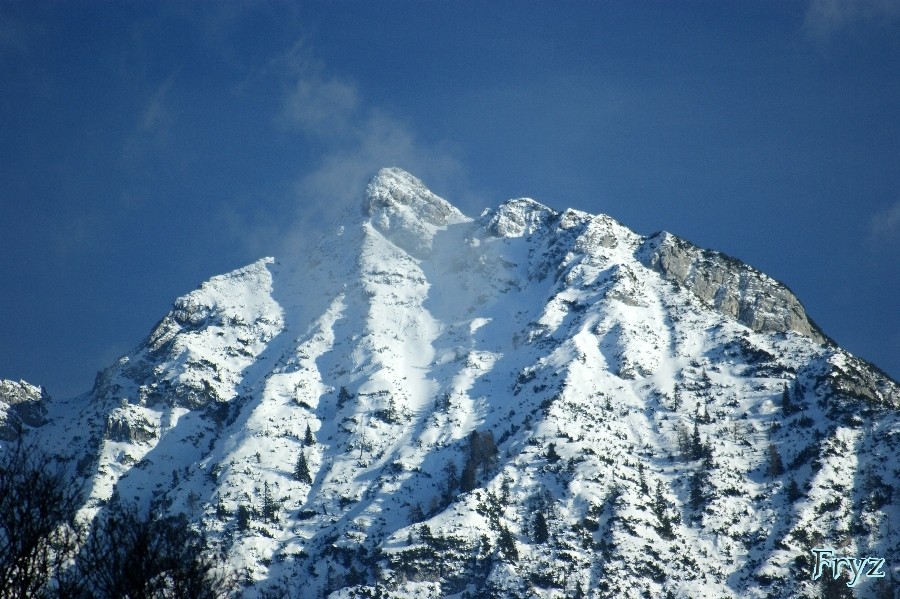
{"points": [[826, 559]]}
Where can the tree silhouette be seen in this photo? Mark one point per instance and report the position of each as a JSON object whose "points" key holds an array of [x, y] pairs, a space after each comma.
{"points": [[552, 456], [38, 534], [661, 507], [243, 517], [129, 555], [269, 505], [301, 470], [776, 467], [482, 455], [541, 533]]}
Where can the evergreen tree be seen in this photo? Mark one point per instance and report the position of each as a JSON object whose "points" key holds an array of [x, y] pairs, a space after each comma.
{"points": [[552, 456], [776, 467], [696, 497], [243, 517], [707, 455], [660, 509], [793, 491], [452, 481], [541, 532], [269, 507], [696, 443], [676, 398], [468, 481], [309, 440], [221, 512], [343, 397], [481, 455], [642, 481], [416, 514], [786, 405], [507, 544], [301, 470], [485, 548]]}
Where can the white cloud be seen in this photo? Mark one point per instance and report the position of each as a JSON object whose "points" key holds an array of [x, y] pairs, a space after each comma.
{"points": [[354, 140], [885, 225], [321, 106], [152, 129], [826, 17], [156, 114]]}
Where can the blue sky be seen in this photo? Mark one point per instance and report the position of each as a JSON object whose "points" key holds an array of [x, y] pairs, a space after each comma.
{"points": [[148, 146]]}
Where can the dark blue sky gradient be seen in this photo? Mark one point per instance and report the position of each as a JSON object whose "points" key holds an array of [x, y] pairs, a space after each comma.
{"points": [[149, 146]]}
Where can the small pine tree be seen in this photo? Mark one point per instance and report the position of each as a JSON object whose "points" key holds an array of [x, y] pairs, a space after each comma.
{"points": [[707, 455], [541, 532], [481, 455], [309, 440], [579, 592], [452, 481], [243, 517], [416, 514], [786, 405], [552, 456], [468, 481], [696, 443], [301, 470], [221, 512], [507, 544], [642, 481], [269, 508], [776, 467], [793, 491], [695, 495], [425, 535], [661, 511], [343, 397], [485, 548]]}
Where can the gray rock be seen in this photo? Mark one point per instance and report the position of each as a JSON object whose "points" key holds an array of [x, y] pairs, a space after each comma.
{"points": [[731, 287], [22, 406]]}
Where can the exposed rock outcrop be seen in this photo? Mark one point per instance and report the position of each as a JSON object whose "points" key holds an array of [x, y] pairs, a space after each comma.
{"points": [[728, 285], [22, 406]]}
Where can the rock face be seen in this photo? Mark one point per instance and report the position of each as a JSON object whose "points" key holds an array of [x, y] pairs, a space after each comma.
{"points": [[533, 403], [22, 407], [728, 285]]}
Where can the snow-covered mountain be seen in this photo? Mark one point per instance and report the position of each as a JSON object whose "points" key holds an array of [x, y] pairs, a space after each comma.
{"points": [[530, 403]]}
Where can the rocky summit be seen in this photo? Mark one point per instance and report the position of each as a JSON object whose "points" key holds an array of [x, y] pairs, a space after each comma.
{"points": [[529, 403]]}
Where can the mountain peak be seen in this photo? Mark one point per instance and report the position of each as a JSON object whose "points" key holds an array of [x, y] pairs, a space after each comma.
{"points": [[394, 189], [517, 217], [406, 212], [430, 407]]}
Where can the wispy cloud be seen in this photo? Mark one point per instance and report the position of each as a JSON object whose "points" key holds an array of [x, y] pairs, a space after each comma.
{"points": [[156, 113], [354, 140], [321, 106], [885, 224], [152, 127], [826, 17]]}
